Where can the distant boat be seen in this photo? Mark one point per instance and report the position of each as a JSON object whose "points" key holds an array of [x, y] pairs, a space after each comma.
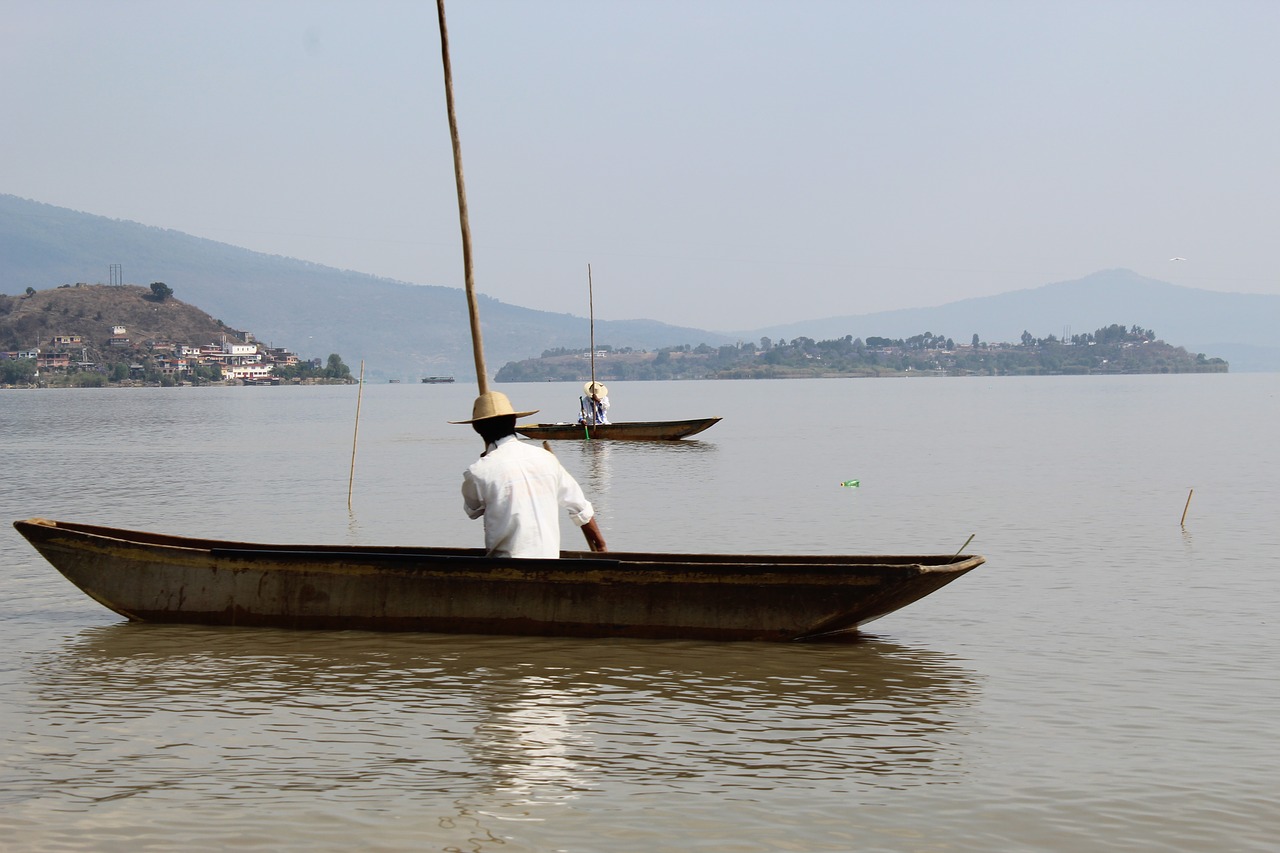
{"points": [[394, 381], [437, 380], [624, 431], [261, 380], [152, 577], [594, 425]]}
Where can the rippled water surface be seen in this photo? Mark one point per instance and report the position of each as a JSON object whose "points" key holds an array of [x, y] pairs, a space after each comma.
{"points": [[1105, 681]]}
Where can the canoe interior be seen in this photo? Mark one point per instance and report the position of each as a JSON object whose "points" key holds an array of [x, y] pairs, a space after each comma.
{"points": [[30, 528]]}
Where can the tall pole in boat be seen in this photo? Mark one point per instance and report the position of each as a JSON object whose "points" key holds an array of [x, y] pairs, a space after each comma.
{"points": [[477, 345], [591, 308]]}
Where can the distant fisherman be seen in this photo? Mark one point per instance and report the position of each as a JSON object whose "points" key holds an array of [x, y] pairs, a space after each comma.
{"points": [[595, 409], [519, 488]]}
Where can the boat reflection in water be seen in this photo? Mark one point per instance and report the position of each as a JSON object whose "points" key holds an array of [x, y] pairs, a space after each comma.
{"points": [[605, 461], [505, 720], [436, 741]]}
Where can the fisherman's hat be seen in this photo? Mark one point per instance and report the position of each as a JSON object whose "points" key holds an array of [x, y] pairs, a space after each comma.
{"points": [[492, 404], [595, 389]]}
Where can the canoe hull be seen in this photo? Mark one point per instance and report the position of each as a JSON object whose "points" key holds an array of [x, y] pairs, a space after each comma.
{"points": [[156, 578], [624, 431]]}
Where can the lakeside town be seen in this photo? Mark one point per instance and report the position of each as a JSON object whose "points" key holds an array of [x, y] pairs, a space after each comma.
{"points": [[158, 361], [127, 335], [122, 335], [161, 362]]}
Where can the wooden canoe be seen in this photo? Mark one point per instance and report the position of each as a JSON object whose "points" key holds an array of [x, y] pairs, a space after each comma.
{"points": [[151, 577], [624, 431]]}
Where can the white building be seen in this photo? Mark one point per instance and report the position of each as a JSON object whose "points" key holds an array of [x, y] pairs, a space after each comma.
{"points": [[246, 371]]}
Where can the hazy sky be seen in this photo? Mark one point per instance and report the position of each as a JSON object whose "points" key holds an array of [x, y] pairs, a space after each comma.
{"points": [[725, 165]]}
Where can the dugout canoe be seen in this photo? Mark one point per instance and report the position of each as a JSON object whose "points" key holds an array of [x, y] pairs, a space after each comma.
{"points": [[152, 577], [624, 431]]}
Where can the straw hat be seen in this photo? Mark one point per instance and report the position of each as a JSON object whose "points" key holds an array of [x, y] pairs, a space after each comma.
{"points": [[595, 389], [492, 404]]}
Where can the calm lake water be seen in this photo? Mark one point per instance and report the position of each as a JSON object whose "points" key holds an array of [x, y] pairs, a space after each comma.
{"points": [[1107, 681]]}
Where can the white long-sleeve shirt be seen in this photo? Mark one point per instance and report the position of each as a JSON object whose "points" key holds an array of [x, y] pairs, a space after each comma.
{"points": [[519, 488]]}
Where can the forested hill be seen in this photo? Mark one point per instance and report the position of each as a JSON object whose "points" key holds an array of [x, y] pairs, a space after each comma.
{"points": [[1109, 350]]}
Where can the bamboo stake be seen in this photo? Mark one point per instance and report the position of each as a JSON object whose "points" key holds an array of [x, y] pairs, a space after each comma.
{"points": [[477, 345], [1188, 506], [352, 478]]}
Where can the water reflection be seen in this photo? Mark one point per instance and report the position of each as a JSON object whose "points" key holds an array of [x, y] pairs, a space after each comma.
{"points": [[510, 725], [596, 455], [641, 464], [355, 530]]}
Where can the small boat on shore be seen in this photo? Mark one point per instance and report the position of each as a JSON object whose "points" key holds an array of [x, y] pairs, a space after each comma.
{"points": [[622, 431], [152, 577]]}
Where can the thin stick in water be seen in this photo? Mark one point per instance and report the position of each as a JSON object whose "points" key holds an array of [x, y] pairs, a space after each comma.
{"points": [[352, 478], [1188, 506]]}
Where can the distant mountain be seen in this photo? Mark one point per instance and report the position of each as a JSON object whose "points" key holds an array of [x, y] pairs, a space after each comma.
{"points": [[399, 330], [403, 330], [1241, 328]]}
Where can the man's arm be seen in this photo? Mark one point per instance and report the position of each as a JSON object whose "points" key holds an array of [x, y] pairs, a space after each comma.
{"points": [[572, 492], [591, 531], [472, 502]]}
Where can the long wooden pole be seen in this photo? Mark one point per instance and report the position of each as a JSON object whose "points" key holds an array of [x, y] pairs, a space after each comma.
{"points": [[591, 308], [477, 345], [1186, 507], [591, 389]]}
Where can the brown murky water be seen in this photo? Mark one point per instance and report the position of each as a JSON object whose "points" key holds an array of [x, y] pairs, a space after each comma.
{"points": [[1106, 681]]}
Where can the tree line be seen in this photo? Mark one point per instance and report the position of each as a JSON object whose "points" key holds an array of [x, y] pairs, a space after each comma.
{"points": [[1110, 349]]}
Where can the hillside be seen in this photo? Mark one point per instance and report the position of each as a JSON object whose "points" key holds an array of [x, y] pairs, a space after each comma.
{"points": [[406, 330], [90, 311], [401, 330], [1238, 327]]}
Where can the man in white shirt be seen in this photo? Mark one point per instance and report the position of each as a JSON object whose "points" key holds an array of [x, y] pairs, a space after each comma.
{"points": [[519, 488]]}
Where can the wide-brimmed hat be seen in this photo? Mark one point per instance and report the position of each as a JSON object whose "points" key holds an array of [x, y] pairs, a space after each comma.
{"points": [[492, 404], [595, 389]]}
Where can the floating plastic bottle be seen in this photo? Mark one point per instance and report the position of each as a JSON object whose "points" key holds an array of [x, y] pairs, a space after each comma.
{"points": [[852, 484]]}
